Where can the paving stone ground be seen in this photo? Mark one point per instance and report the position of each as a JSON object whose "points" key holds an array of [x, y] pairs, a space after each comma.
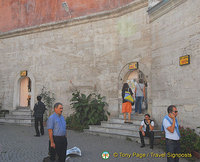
{"points": [[18, 144]]}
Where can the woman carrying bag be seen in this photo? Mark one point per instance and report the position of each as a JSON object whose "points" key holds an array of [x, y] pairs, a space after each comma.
{"points": [[126, 105]]}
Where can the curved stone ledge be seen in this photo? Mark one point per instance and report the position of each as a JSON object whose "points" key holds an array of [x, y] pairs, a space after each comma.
{"points": [[162, 8], [133, 6]]}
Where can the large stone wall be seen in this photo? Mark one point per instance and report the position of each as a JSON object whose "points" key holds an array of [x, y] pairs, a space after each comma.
{"points": [[176, 34], [92, 53], [86, 56]]}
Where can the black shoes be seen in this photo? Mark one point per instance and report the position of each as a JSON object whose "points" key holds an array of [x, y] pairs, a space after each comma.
{"points": [[37, 135], [151, 147], [142, 146]]}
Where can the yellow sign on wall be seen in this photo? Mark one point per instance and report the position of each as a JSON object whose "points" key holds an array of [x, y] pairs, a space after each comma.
{"points": [[23, 73], [184, 60], [133, 66]]}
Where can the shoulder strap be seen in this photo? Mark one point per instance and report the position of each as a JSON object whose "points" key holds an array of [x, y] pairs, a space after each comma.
{"points": [[162, 127], [176, 124], [140, 87]]}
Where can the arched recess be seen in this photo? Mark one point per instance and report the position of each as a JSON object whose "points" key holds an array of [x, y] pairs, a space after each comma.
{"points": [[17, 90], [143, 72]]}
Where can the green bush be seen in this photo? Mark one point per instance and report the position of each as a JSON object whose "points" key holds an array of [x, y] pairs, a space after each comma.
{"points": [[89, 110], [74, 123], [189, 140], [48, 98], [197, 145]]}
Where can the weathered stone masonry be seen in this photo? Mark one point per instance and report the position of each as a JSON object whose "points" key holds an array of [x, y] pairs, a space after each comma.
{"points": [[91, 52]]}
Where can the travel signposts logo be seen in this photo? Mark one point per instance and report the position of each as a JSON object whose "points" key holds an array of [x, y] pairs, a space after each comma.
{"points": [[105, 155]]}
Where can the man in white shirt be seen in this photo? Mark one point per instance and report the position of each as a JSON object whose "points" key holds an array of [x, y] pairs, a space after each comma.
{"points": [[146, 130], [172, 134]]}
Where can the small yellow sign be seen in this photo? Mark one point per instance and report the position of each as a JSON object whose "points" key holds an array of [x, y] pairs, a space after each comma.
{"points": [[184, 60], [133, 66], [23, 73]]}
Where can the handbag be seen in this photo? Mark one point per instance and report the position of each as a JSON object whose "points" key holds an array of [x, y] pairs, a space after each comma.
{"points": [[128, 97], [143, 106]]}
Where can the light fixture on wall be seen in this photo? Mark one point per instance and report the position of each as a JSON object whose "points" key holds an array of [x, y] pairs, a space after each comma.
{"points": [[66, 7]]}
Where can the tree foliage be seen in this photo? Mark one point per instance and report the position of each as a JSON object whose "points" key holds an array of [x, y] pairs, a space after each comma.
{"points": [[48, 98]]}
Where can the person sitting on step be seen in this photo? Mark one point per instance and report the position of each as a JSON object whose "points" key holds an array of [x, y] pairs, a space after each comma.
{"points": [[146, 130]]}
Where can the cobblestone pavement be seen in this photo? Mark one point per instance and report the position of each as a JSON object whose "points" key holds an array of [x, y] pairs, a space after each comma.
{"points": [[18, 144]]}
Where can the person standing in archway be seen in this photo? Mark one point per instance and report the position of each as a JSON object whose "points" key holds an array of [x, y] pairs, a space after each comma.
{"points": [[140, 95], [126, 105]]}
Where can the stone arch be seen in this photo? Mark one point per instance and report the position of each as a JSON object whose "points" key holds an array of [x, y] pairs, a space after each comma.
{"points": [[123, 76], [16, 97]]}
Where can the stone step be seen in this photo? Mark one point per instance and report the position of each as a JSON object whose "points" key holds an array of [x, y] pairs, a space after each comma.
{"points": [[22, 116], [121, 121], [116, 127], [21, 112], [19, 117], [114, 130], [119, 125], [133, 116], [123, 136], [102, 132], [22, 108], [135, 124], [121, 128], [17, 121]]}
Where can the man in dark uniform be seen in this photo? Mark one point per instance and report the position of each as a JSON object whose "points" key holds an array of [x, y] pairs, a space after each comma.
{"points": [[39, 110]]}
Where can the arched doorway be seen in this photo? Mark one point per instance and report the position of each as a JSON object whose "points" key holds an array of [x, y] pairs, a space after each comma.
{"points": [[132, 77], [25, 92]]}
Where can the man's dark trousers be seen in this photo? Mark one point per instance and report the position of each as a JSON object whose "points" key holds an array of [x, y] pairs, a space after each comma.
{"points": [[149, 134], [60, 150], [172, 147], [39, 120]]}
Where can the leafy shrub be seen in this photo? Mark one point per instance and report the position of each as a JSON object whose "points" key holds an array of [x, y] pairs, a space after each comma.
{"points": [[74, 123], [163, 142], [89, 110], [188, 139], [48, 97], [197, 145]]}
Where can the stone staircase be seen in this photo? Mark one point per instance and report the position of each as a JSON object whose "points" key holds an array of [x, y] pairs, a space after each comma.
{"points": [[20, 116], [116, 127]]}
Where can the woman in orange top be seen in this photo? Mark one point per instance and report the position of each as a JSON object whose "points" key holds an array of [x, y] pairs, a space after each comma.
{"points": [[126, 105]]}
